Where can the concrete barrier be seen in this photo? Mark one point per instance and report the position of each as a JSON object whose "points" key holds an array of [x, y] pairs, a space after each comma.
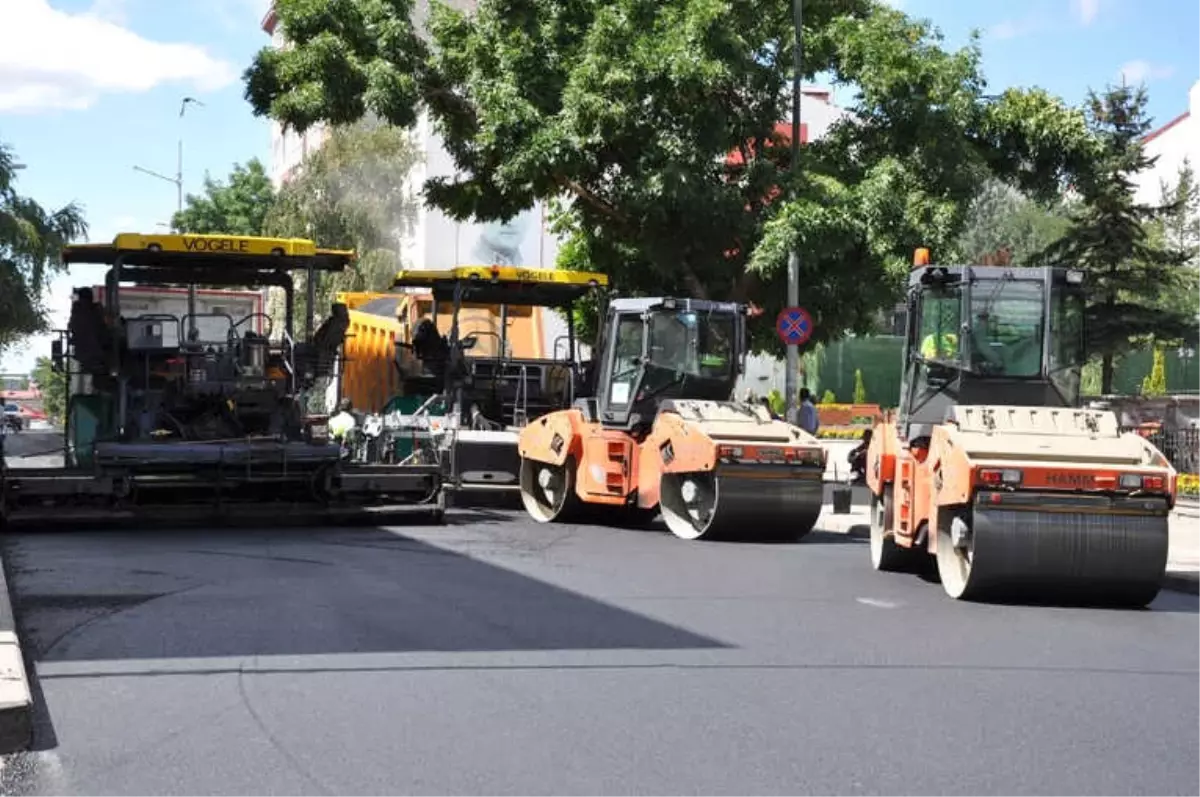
{"points": [[16, 702]]}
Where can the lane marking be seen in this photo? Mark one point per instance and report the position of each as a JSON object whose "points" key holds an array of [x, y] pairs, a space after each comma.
{"points": [[876, 602]]}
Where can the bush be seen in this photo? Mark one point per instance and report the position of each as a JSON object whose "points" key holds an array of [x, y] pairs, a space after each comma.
{"points": [[840, 434], [1188, 484], [1155, 383], [828, 397]]}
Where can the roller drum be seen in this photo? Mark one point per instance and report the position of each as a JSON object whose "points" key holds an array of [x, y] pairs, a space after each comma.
{"points": [[1080, 551], [742, 502]]}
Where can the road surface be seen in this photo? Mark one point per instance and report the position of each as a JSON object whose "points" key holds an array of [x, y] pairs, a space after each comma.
{"points": [[500, 657]]}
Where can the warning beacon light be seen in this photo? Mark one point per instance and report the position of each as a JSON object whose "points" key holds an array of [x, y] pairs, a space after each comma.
{"points": [[921, 257]]}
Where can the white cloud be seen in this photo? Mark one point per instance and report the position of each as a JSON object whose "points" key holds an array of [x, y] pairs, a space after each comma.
{"points": [[1139, 71], [55, 60], [1086, 10]]}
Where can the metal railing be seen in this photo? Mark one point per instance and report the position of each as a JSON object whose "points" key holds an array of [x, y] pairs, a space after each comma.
{"points": [[1180, 446]]}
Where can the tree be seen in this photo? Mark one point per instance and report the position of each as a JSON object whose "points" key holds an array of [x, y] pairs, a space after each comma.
{"points": [[53, 389], [238, 206], [31, 239], [1127, 270], [1181, 216], [860, 390], [1002, 218], [1178, 228], [351, 193], [651, 126]]}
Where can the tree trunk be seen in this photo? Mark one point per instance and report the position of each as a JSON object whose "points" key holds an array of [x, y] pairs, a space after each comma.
{"points": [[1106, 375]]}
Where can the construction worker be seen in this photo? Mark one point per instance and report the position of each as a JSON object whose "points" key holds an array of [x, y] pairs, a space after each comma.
{"points": [[343, 421], [948, 350]]}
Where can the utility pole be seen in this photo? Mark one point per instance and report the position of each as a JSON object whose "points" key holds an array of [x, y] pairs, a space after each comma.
{"points": [[177, 181], [793, 270]]}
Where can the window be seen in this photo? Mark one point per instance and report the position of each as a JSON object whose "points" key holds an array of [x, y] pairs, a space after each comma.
{"points": [[1067, 348], [693, 344], [941, 322], [626, 363], [1007, 323]]}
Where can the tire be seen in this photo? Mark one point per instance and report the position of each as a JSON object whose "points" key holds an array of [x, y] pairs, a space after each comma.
{"points": [[886, 555]]}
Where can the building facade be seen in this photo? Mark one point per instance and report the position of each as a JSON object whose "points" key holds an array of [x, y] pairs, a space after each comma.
{"points": [[1172, 143]]}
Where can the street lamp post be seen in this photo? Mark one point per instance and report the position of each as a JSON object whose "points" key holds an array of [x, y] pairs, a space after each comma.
{"points": [[793, 270], [177, 181]]}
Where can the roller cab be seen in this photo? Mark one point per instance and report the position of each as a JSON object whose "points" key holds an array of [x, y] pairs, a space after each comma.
{"points": [[658, 432], [990, 474]]}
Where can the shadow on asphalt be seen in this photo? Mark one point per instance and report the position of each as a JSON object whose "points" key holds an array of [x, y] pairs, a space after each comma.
{"points": [[233, 593]]}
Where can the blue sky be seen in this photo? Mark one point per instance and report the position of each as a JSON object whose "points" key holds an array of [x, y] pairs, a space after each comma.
{"points": [[91, 88]]}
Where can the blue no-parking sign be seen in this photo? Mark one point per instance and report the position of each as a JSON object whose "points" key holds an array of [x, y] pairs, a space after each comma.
{"points": [[794, 326]]}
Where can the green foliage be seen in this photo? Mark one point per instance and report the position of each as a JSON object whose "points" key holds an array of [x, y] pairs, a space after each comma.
{"points": [[777, 402], [53, 388], [622, 113], [828, 397], [31, 238], [350, 193], [238, 206], [1089, 380], [1127, 270], [860, 390], [1155, 383], [1178, 228], [1002, 218], [1180, 218]]}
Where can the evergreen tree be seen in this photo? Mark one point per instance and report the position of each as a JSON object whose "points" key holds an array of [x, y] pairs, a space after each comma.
{"points": [[1128, 269], [860, 390], [1155, 382]]}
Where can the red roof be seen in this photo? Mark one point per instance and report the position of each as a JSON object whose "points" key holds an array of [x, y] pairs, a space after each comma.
{"points": [[1156, 133], [783, 131], [268, 23]]}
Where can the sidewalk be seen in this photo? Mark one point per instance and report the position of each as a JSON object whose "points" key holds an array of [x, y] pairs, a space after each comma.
{"points": [[1183, 555]]}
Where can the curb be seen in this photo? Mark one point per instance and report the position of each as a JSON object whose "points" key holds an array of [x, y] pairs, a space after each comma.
{"points": [[16, 702]]}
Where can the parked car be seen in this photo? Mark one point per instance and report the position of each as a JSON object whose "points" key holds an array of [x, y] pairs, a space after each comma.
{"points": [[13, 422]]}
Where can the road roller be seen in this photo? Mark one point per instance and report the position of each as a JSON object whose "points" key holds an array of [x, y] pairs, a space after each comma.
{"points": [[658, 431], [989, 474]]}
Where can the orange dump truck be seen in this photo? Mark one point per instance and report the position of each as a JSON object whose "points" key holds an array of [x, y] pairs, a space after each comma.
{"points": [[380, 321]]}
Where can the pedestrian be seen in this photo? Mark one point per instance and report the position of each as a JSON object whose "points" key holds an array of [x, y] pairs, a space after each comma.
{"points": [[808, 413]]}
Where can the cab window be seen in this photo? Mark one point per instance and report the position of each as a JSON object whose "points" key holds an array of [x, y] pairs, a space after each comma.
{"points": [[941, 321]]}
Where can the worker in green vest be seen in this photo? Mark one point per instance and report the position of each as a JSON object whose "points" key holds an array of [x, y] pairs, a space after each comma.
{"points": [[948, 350], [343, 421]]}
